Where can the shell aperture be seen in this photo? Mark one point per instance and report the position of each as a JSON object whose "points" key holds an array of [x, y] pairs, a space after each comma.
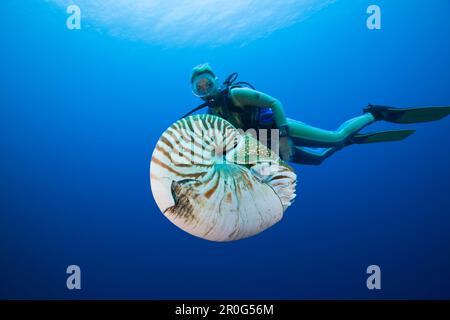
{"points": [[214, 182]]}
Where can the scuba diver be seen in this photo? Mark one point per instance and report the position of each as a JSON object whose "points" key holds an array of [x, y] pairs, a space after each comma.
{"points": [[245, 108]]}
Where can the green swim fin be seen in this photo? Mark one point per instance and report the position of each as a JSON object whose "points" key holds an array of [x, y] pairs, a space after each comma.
{"points": [[407, 115], [381, 136]]}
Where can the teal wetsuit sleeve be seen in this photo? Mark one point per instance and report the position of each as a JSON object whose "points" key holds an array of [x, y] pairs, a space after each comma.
{"points": [[243, 97]]}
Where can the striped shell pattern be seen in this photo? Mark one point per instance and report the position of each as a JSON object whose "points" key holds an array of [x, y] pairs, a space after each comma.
{"points": [[217, 183]]}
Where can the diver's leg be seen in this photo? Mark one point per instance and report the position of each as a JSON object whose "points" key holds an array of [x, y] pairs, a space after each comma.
{"points": [[309, 136], [311, 157]]}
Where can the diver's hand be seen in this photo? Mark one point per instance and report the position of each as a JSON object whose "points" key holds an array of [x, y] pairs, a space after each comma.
{"points": [[286, 148]]}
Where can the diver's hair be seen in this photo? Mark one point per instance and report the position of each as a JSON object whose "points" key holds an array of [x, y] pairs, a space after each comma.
{"points": [[202, 68]]}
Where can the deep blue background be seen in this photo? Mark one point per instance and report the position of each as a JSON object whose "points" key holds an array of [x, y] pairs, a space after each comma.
{"points": [[80, 113]]}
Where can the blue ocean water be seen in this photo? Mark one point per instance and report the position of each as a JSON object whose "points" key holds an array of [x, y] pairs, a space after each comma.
{"points": [[80, 114]]}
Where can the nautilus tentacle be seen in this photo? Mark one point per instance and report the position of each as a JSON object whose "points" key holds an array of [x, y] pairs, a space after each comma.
{"points": [[217, 183]]}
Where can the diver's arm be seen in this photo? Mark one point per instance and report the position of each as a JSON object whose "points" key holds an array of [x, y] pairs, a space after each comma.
{"points": [[248, 97]]}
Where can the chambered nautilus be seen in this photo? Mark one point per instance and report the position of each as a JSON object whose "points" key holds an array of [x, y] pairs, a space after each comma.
{"points": [[217, 183]]}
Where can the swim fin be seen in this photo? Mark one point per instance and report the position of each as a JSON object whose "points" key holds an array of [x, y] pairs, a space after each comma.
{"points": [[407, 115], [381, 136]]}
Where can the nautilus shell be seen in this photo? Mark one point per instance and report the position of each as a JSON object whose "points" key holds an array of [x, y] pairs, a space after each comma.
{"points": [[215, 182]]}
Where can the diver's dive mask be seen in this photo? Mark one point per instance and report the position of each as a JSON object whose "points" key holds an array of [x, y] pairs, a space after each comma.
{"points": [[204, 85]]}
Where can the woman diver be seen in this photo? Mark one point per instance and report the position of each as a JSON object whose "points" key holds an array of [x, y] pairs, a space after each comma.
{"points": [[245, 108]]}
